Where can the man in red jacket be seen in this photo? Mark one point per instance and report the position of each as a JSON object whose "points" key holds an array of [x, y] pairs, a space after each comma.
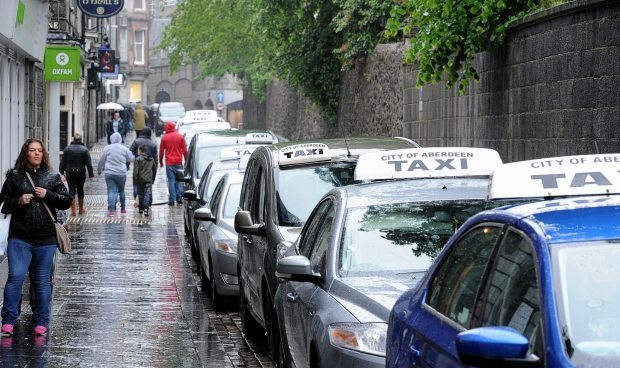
{"points": [[173, 146]]}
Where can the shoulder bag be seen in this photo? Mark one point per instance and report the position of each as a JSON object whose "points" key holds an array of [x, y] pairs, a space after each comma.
{"points": [[64, 242]]}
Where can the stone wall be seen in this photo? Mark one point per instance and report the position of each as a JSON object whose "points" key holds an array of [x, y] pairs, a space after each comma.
{"points": [[553, 89]]}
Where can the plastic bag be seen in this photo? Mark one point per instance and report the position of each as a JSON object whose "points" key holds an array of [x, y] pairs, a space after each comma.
{"points": [[5, 222]]}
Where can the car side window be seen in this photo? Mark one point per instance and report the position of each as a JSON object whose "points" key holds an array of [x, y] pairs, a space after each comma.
{"points": [[321, 242], [313, 225], [258, 197], [512, 298], [217, 195], [248, 183], [455, 286]]}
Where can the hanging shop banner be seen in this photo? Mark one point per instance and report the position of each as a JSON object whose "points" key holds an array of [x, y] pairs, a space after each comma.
{"points": [[62, 63], [101, 8], [107, 60]]}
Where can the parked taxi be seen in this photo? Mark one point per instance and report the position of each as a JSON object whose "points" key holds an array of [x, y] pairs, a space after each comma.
{"points": [[530, 285]]}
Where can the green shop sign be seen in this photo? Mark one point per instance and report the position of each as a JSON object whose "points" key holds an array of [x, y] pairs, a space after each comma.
{"points": [[62, 63]]}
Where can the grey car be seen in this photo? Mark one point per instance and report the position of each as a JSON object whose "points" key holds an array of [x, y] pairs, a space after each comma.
{"points": [[361, 248], [217, 240], [281, 186]]}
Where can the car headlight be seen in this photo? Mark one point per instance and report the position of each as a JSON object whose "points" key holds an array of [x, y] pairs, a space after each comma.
{"points": [[226, 246], [369, 338]]}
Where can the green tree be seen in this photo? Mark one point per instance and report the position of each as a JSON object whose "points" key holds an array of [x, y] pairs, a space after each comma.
{"points": [[446, 34]]}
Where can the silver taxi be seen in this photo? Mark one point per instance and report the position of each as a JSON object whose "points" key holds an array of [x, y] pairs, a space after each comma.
{"points": [[366, 244]]}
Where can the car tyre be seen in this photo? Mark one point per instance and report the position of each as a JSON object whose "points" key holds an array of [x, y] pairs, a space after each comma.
{"points": [[249, 326], [204, 280], [273, 342], [216, 298]]}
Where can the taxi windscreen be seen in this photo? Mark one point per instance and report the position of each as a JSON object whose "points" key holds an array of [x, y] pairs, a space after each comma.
{"points": [[587, 286], [300, 188], [400, 238], [207, 155]]}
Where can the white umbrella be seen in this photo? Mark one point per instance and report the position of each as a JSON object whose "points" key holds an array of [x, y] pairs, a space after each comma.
{"points": [[110, 106]]}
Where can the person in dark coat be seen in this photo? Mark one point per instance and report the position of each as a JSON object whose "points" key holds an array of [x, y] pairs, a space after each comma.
{"points": [[116, 125], [144, 140], [144, 169], [74, 163], [32, 233]]}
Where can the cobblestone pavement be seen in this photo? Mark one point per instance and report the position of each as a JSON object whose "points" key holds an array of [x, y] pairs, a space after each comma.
{"points": [[128, 296]]}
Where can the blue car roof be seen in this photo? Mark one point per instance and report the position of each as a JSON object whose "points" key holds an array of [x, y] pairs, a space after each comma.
{"points": [[572, 219]]}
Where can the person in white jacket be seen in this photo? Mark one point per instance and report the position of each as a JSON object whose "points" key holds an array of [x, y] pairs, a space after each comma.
{"points": [[114, 163]]}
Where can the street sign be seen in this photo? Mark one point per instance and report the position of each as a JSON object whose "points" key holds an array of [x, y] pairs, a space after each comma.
{"points": [[220, 96], [62, 63], [101, 8], [220, 106]]}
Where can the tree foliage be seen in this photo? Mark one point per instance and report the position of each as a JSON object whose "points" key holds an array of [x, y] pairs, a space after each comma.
{"points": [[446, 34]]}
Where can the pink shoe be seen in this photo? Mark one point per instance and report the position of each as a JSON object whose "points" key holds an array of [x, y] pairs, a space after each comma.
{"points": [[111, 213], [123, 212], [7, 329], [40, 330]]}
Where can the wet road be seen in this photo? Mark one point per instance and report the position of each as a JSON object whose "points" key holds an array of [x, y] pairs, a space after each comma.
{"points": [[128, 296]]}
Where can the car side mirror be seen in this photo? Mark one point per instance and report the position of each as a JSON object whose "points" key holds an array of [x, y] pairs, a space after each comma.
{"points": [[495, 346], [179, 175], [244, 224], [204, 214], [296, 268], [190, 195]]}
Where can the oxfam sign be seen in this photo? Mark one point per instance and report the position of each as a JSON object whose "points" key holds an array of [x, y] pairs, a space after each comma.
{"points": [[62, 63], [101, 8]]}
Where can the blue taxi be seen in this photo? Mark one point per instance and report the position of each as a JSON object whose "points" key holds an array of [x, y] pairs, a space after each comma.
{"points": [[529, 285]]}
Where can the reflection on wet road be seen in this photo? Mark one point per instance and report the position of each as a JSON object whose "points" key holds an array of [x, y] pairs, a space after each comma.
{"points": [[128, 296]]}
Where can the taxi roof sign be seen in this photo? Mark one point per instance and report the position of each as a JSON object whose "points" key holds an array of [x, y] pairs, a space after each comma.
{"points": [[259, 138], [303, 153], [236, 152], [557, 176], [428, 162]]}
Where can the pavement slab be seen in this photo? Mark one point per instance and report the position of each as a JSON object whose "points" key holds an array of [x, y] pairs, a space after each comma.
{"points": [[128, 296]]}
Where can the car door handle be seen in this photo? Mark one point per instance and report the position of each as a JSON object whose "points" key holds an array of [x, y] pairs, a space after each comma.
{"points": [[292, 297], [203, 229], [247, 239]]}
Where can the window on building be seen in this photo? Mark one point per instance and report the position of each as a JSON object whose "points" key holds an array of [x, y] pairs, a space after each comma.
{"points": [[135, 91], [171, 2], [139, 4], [139, 47]]}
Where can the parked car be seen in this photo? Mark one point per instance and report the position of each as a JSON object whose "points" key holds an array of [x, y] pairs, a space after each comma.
{"points": [[168, 112], [206, 148], [282, 184], [530, 285], [365, 244], [217, 241]]}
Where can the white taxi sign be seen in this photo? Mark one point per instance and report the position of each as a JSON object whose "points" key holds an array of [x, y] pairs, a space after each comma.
{"points": [[557, 176], [428, 162], [258, 138], [236, 152], [303, 153]]}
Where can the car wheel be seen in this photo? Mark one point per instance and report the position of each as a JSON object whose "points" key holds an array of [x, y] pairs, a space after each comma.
{"points": [[204, 280], [216, 298], [283, 361], [270, 326], [249, 326]]}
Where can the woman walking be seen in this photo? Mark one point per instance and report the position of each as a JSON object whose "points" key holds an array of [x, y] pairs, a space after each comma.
{"points": [[74, 163], [32, 234], [114, 163]]}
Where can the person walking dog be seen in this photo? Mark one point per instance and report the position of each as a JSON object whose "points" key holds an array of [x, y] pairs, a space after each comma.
{"points": [[32, 233], [74, 164]]}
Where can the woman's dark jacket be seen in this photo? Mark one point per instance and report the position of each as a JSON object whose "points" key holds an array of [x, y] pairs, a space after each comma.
{"points": [[31, 222], [122, 127], [76, 160]]}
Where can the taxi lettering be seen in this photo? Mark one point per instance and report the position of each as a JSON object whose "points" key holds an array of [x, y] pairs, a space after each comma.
{"points": [[242, 152], [448, 164], [550, 181], [308, 152]]}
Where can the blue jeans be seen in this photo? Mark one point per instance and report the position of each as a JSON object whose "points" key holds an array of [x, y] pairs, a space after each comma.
{"points": [[40, 259], [175, 188], [116, 188], [145, 195]]}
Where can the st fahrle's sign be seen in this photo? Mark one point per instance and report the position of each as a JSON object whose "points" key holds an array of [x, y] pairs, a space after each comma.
{"points": [[101, 8]]}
